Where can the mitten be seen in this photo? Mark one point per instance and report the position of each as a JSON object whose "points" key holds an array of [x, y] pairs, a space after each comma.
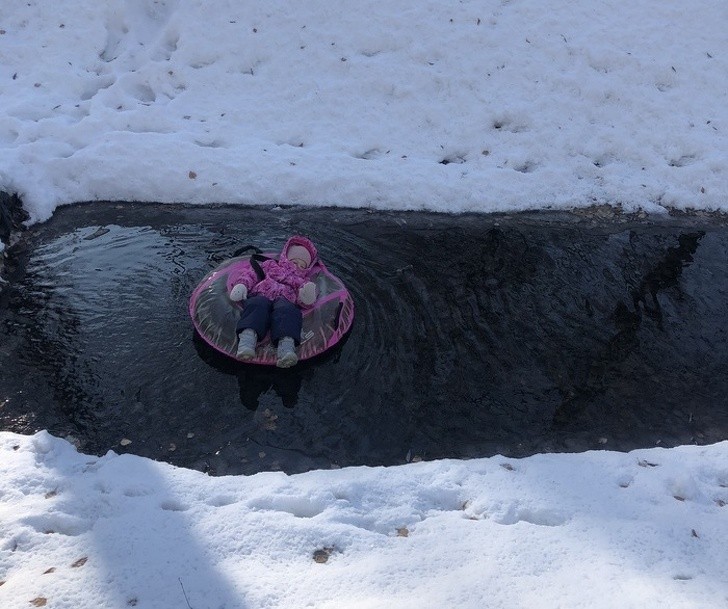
{"points": [[239, 292], [307, 293]]}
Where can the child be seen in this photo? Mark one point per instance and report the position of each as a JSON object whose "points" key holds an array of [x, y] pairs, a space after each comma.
{"points": [[274, 301]]}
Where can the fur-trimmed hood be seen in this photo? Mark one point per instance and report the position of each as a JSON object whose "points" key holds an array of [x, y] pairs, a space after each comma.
{"points": [[303, 242]]}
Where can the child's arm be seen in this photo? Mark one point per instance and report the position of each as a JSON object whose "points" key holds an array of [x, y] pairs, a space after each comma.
{"points": [[240, 282]]}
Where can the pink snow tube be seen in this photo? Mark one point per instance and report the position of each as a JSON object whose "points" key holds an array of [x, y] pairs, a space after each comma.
{"points": [[215, 316]]}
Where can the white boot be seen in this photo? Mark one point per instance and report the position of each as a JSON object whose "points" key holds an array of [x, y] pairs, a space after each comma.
{"points": [[286, 354], [247, 340]]}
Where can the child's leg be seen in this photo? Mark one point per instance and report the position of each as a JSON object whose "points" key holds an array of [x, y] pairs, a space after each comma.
{"points": [[286, 321], [256, 316]]}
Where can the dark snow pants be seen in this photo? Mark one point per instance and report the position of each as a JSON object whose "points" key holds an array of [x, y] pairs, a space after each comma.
{"points": [[281, 316]]}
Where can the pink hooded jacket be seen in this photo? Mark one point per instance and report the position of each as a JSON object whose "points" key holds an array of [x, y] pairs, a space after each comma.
{"points": [[282, 279]]}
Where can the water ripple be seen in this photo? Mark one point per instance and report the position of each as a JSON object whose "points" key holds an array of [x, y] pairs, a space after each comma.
{"points": [[473, 336]]}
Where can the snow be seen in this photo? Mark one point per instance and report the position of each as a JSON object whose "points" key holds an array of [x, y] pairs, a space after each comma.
{"points": [[598, 530], [448, 106]]}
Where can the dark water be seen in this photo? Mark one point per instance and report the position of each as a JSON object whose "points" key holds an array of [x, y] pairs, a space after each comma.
{"points": [[474, 336]]}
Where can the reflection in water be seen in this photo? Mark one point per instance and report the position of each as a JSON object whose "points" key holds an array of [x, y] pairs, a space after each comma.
{"points": [[663, 275], [666, 274], [254, 381], [473, 336]]}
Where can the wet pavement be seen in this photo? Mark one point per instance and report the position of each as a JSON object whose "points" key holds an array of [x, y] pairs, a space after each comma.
{"points": [[474, 336]]}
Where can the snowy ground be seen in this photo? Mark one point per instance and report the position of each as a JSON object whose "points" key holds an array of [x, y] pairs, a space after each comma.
{"points": [[496, 105], [596, 530], [453, 106]]}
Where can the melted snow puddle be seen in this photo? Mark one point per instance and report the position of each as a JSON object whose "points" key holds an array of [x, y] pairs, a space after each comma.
{"points": [[474, 336]]}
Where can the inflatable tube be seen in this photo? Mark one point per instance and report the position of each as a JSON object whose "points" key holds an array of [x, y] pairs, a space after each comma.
{"points": [[215, 316]]}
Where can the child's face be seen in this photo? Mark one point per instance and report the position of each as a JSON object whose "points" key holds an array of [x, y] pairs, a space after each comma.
{"points": [[301, 264], [299, 255]]}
